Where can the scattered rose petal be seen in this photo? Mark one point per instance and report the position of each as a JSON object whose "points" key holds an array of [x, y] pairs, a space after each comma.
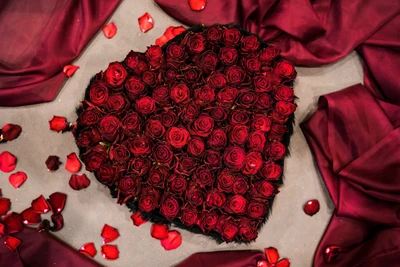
{"points": [[146, 22], [110, 252], [5, 205], [10, 132], [331, 252], [159, 231], [40, 205], [197, 5], [311, 207], [57, 202], [79, 181], [263, 264], [17, 179], [52, 163], [30, 217], [44, 226], [169, 33], [12, 242], [58, 222], [110, 30], [272, 255], [88, 249], [58, 123], [173, 240], [137, 219], [8, 162], [2, 231], [109, 234], [13, 223], [69, 70], [73, 164], [283, 263]]}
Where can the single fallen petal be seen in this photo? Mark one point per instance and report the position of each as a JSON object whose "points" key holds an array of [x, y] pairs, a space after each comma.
{"points": [[110, 30], [52, 163], [17, 179], [283, 263], [40, 205], [44, 226], [69, 70], [88, 249], [109, 233], [159, 231], [30, 217], [73, 164], [169, 33], [161, 40], [331, 252], [173, 240], [12, 223], [311, 207], [178, 30], [5, 205], [58, 222], [8, 162], [137, 219], [58, 123], [12, 242], [146, 22], [79, 181], [57, 202], [10, 132], [263, 263], [197, 5], [272, 255], [110, 252]]}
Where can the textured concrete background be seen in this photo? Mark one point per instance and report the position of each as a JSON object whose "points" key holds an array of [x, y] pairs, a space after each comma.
{"points": [[295, 234]]}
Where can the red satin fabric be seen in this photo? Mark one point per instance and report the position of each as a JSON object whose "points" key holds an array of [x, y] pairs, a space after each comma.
{"points": [[38, 38], [41, 249]]}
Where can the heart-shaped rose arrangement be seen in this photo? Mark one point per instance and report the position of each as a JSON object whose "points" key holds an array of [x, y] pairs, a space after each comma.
{"points": [[193, 133]]}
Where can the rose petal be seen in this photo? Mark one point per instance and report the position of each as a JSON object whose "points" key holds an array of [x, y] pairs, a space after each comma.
{"points": [[5, 204], [197, 5], [69, 70], [263, 263], [10, 132], [146, 22], [110, 30], [2, 230], [58, 222], [109, 233], [177, 30], [40, 205], [30, 217], [13, 223], [73, 164], [44, 226], [331, 252], [169, 33], [272, 255], [8, 162], [161, 40], [12, 242], [78, 182], [137, 219], [283, 263], [173, 240], [58, 123], [159, 231], [17, 179], [88, 249], [57, 202], [311, 207], [52, 163], [110, 252]]}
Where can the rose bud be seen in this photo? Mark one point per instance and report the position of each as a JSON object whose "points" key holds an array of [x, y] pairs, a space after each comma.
{"points": [[154, 129], [277, 131], [94, 158], [161, 95], [191, 74], [190, 112], [140, 166], [246, 99], [217, 139], [132, 124], [241, 185], [249, 44], [235, 74], [215, 198], [208, 61], [168, 118], [229, 231], [263, 189], [262, 84], [204, 95], [264, 101], [128, 187], [177, 184], [202, 127], [135, 87], [116, 104], [261, 122], [115, 75], [284, 93], [195, 42], [208, 221], [276, 150], [225, 181], [227, 96], [180, 93], [219, 114], [185, 165], [236, 204], [195, 146], [140, 146], [269, 53], [257, 210], [217, 80], [149, 78], [155, 57], [251, 63], [203, 176], [239, 116], [277, 117], [109, 128], [256, 141], [228, 55], [177, 137], [188, 215], [10, 132], [247, 231], [212, 159], [270, 171], [238, 135], [89, 117], [176, 54], [285, 108], [234, 157], [136, 62], [145, 105], [285, 70], [98, 93], [157, 176], [170, 74], [231, 37], [162, 153], [195, 195], [169, 207], [149, 199], [106, 174], [213, 34], [252, 163]]}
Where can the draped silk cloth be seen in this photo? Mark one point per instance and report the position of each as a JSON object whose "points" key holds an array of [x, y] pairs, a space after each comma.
{"points": [[38, 38]]}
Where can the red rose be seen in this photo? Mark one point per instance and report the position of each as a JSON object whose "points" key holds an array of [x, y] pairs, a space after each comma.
{"points": [[225, 181], [262, 84], [252, 163], [140, 166], [176, 54], [212, 159], [109, 128], [204, 95], [285, 69], [88, 137], [202, 127], [228, 55], [177, 184], [180, 93], [235, 74], [161, 95], [264, 101], [158, 176], [90, 117], [263, 189], [154, 129], [246, 99], [191, 74], [256, 210], [203, 176], [195, 146], [169, 207], [185, 165], [116, 104], [231, 37], [195, 195], [229, 231], [285, 108], [240, 186], [94, 158], [277, 117], [140, 146], [247, 230], [168, 118], [149, 199], [178, 137], [227, 96], [217, 139], [155, 57], [239, 134], [234, 157], [269, 53], [132, 124], [145, 105], [190, 112], [216, 80], [170, 74], [106, 174], [115, 75], [98, 93], [277, 131], [188, 215], [276, 150], [249, 43], [219, 114], [215, 198], [136, 62], [271, 171], [239, 116], [149, 78], [162, 153], [213, 34], [237, 204], [261, 122], [208, 221], [251, 63], [128, 187], [284, 93], [256, 141], [195, 42], [119, 153], [135, 87], [208, 61]]}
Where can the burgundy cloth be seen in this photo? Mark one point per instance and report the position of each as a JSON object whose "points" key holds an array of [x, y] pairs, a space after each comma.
{"points": [[41, 249], [38, 38]]}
